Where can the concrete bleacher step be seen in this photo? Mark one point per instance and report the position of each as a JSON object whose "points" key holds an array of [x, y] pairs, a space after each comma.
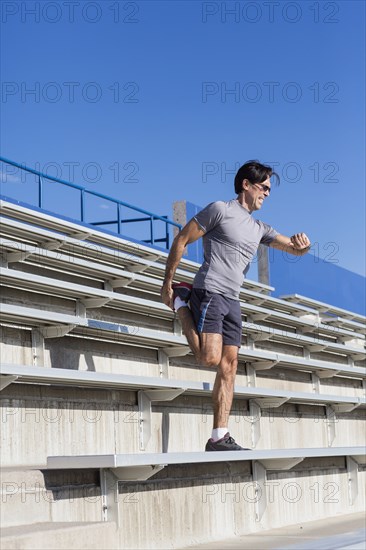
{"points": [[222, 495], [217, 498], [345, 532], [185, 503], [60, 536], [30, 495]]}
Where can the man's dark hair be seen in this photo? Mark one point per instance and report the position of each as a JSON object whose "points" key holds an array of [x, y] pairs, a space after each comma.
{"points": [[254, 172]]}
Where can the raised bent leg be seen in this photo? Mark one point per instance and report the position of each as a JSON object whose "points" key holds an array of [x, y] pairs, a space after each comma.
{"points": [[206, 347], [211, 349], [190, 331]]}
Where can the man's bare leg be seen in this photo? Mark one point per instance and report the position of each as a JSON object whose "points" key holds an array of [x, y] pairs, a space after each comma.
{"points": [[222, 397], [210, 351], [223, 391]]}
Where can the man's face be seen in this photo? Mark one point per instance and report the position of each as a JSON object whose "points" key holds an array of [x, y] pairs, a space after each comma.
{"points": [[257, 193]]}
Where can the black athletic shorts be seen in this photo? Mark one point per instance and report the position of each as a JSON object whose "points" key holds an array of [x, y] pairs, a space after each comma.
{"points": [[214, 313]]}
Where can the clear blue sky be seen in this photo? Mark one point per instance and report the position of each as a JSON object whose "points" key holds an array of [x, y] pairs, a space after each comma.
{"points": [[143, 87]]}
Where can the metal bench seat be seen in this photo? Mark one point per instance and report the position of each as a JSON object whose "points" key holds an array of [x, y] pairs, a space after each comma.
{"points": [[54, 325], [274, 459], [313, 344], [265, 396], [118, 269], [331, 314], [31, 224], [94, 297]]}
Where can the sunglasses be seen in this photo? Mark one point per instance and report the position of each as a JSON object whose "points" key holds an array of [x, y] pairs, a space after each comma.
{"points": [[265, 188]]}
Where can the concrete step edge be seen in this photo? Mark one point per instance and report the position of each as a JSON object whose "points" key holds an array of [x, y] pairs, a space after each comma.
{"points": [[59, 536]]}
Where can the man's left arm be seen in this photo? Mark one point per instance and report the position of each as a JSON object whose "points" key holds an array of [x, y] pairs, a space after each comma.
{"points": [[298, 245]]}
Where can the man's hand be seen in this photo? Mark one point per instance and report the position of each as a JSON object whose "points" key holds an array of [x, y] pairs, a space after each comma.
{"points": [[167, 294], [300, 242]]}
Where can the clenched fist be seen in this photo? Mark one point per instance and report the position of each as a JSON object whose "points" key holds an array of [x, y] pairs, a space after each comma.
{"points": [[300, 241]]}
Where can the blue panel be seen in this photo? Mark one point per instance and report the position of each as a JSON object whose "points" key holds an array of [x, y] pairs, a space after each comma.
{"points": [[318, 279]]}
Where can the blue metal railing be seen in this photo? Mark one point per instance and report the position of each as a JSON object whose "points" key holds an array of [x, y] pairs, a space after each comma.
{"points": [[119, 221]]}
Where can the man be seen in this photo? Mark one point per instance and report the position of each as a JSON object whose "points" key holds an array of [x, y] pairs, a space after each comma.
{"points": [[212, 324]]}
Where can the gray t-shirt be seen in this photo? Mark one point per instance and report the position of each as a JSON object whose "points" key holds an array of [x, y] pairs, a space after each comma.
{"points": [[231, 239]]}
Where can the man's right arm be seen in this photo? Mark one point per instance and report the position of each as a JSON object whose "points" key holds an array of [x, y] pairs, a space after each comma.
{"points": [[189, 234]]}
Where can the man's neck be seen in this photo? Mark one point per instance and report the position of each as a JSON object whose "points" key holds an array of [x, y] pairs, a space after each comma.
{"points": [[241, 200]]}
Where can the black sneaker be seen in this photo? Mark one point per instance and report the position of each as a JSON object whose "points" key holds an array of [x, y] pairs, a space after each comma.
{"points": [[227, 443], [183, 290]]}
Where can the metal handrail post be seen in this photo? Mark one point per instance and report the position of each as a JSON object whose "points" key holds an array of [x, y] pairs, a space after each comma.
{"points": [[40, 186], [82, 205], [118, 218], [152, 229], [166, 233]]}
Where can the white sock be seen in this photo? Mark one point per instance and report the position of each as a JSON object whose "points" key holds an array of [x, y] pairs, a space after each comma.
{"points": [[218, 433], [178, 302]]}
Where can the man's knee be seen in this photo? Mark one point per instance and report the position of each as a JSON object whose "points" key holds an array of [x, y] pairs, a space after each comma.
{"points": [[228, 366], [210, 359]]}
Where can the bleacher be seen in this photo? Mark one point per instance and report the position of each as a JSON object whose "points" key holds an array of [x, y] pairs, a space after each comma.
{"points": [[106, 414]]}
